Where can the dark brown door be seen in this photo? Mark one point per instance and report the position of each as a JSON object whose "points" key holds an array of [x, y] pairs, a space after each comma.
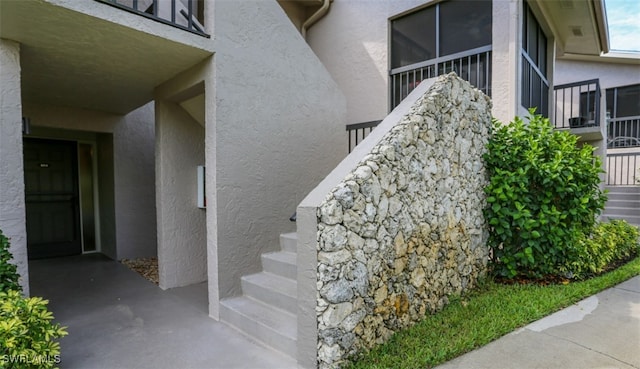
{"points": [[51, 196]]}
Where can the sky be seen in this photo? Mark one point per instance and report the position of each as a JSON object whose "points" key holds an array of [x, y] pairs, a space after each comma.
{"points": [[623, 17]]}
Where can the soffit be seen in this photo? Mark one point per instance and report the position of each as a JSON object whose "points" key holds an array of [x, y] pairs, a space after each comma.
{"points": [[73, 59], [579, 25]]}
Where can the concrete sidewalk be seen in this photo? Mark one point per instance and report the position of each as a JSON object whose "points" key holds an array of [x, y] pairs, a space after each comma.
{"points": [[117, 319], [602, 331]]}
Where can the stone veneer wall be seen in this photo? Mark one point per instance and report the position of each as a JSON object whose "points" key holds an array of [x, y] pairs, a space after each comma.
{"points": [[404, 229]]}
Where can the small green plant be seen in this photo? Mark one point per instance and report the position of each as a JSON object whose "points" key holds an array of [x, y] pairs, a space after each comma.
{"points": [[27, 334], [544, 194], [611, 242], [8, 272]]}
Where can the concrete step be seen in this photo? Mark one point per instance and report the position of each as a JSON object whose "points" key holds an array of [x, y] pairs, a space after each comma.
{"points": [[272, 289], [622, 211], [623, 196], [289, 242], [281, 263], [629, 204], [273, 327], [623, 189], [635, 220]]}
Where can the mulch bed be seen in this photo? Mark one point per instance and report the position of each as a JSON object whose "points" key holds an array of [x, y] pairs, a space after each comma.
{"points": [[146, 267]]}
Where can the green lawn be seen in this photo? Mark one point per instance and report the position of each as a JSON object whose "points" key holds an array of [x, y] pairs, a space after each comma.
{"points": [[486, 314]]}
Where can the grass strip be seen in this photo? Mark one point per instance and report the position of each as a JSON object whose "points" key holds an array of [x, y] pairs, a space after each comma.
{"points": [[482, 316]]}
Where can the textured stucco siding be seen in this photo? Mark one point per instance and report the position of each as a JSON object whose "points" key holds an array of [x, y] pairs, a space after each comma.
{"points": [[609, 74], [182, 235], [279, 125], [12, 208], [352, 42]]}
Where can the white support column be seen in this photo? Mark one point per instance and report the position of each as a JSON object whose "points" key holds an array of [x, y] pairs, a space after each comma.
{"points": [[12, 207], [505, 82]]}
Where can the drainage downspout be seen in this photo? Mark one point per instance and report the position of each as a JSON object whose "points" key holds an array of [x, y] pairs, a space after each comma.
{"points": [[315, 17]]}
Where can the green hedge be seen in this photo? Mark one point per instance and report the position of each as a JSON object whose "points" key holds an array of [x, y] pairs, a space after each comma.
{"points": [[610, 243], [8, 272], [544, 195], [28, 337]]}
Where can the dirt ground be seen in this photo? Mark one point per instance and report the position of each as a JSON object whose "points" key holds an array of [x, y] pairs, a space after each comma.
{"points": [[146, 267]]}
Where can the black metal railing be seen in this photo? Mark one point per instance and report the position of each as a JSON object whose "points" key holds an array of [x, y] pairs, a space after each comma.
{"points": [[577, 105], [623, 132], [473, 66], [622, 169], [358, 131], [183, 14]]}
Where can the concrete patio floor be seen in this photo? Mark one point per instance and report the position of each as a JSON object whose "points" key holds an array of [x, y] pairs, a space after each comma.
{"points": [[118, 319]]}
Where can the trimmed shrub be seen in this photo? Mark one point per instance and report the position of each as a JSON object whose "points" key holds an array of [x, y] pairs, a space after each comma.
{"points": [[612, 242], [8, 272], [544, 194], [27, 334]]}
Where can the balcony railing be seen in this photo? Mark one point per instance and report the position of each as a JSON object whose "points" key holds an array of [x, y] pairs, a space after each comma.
{"points": [[577, 105], [357, 132], [623, 169], [623, 132], [183, 14], [473, 66]]}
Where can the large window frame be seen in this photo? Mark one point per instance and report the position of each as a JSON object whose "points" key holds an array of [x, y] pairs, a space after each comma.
{"points": [[473, 65], [534, 86], [623, 119]]}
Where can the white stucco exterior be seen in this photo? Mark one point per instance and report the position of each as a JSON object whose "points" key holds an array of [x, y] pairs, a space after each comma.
{"points": [[279, 123], [610, 74], [352, 43], [12, 209]]}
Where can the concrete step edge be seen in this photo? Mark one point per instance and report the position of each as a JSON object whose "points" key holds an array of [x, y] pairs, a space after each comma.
{"points": [[282, 263], [271, 289], [270, 326]]}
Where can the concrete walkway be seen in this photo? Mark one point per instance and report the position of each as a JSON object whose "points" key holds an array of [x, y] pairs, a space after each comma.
{"points": [[602, 331], [117, 319]]}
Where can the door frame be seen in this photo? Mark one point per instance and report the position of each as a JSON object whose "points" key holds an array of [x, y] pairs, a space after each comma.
{"points": [[96, 192]]}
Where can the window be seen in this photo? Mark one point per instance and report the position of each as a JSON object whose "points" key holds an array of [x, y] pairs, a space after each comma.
{"points": [[535, 87], [464, 25], [413, 38], [453, 35], [623, 113]]}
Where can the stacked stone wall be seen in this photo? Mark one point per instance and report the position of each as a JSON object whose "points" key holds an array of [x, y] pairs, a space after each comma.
{"points": [[404, 230]]}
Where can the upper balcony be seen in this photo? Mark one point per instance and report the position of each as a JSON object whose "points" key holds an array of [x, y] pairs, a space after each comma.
{"points": [[103, 55], [578, 107], [184, 14]]}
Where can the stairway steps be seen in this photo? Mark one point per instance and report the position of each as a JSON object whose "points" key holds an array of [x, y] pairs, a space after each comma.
{"points": [[289, 242], [622, 211], [623, 189], [635, 220], [615, 203], [273, 327], [623, 196], [272, 289], [266, 310], [280, 263]]}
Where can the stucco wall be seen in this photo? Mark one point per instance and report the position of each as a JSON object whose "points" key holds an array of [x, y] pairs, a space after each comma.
{"points": [[12, 209], [134, 171], [125, 171], [403, 229], [352, 42], [182, 241], [609, 74], [279, 128]]}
